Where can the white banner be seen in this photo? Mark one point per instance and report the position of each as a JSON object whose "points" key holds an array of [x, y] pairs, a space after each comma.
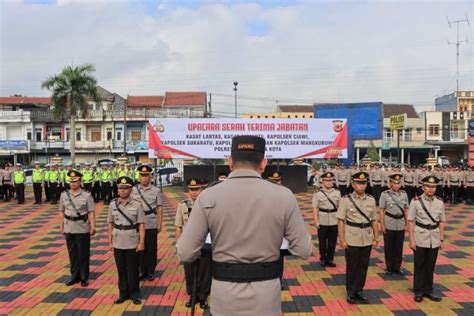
{"points": [[212, 138]]}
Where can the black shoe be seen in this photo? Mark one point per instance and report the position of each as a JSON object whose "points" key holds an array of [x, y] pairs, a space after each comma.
{"points": [[388, 272], [85, 283], [330, 264], [120, 300], [71, 282], [361, 298], [418, 298], [150, 277], [203, 304], [142, 277], [351, 300], [322, 263], [189, 303], [136, 301], [433, 297], [399, 272]]}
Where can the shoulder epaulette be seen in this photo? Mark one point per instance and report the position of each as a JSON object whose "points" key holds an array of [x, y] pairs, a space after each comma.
{"points": [[370, 195]]}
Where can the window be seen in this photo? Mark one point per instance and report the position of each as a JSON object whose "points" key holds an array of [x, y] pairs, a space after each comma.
{"points": [[109, 133], [419, 130], [311, 116], [136, 134], [303, 116], [54, 134], [29, 134], [387, 135], [38, 134], [296, 116], [96, 134], [434, 129], [78, 134], [407, 135], [68, 134]]}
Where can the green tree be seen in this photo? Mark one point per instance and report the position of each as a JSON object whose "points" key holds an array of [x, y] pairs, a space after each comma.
{"points": [[71, 89], [372, 152]]}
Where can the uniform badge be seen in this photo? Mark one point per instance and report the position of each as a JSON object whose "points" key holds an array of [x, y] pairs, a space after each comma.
{"points": [[193, 182], [124, 181]]}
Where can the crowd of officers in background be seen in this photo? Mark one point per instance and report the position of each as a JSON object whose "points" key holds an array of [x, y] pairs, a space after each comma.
{"points": [[456, 184]]}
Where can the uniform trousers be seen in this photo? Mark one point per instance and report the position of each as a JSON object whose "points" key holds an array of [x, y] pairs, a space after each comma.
{"points": [[127, 262], [409, 191], [37, 191], [53, 187], [78, 248], [204, 275], [327, 237], [343, 189], [454, 194], [439, 191], [7, 188], [96, 191], [114, 190], [47, 193], [425, 261], [148, 257], [88, 187], [106, 193], [357, 264], [393, 248], [469, 195], [20, 192], [377, 190]]}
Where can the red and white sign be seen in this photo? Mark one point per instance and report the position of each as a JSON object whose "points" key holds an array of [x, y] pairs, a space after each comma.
{"points": [[212, 138]]}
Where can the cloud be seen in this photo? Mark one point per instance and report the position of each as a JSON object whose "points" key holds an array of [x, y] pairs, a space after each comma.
{"points": [[290, 53]]}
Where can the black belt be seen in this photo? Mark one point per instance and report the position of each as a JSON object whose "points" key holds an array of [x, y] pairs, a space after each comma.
{"points": [[377, 181], [360, 225], [394, 216], [150, 212], [126, 227], [324, 210], [409, 182], [76, 218], [430, 226], [246, 272]]}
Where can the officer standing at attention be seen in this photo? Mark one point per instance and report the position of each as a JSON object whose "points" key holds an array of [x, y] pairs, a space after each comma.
{"points": [[245, 242], [204, 276], [106, 183], [150, 197], [88, 177], [47, 173], [325, 203], [392, 213], [469, 186], [38, 178], [77, 223], [358, 232], [426, 220], [126, 233], [19, 183], [54, 183]]}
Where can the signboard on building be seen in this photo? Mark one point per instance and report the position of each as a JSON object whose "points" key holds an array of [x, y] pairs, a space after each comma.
{"points": [[13, 145], [471, 128], [398, 121], [212, 138]]}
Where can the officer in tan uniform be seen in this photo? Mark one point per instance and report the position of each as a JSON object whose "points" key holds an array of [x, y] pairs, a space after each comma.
{"points": [[426, 218], [342, 179], [77, 223], [392, 213], [358, 232], [409, 181], [126, 233], [453, 181], [150, 197], [376, 182], [204, 276], [325, 203], [469, 185], [247, 230]]}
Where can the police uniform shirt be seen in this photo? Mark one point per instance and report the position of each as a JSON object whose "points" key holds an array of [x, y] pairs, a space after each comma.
{"points": [[321, 201], [153, 196], [84, 205], [342, 177], [408, 178], [126, 239], [424, 237], [355, 236], [376, 177], [454, 178], [469, 179], [182, 213], [389, 201]]}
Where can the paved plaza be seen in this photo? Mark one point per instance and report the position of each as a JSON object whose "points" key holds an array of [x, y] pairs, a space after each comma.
{"points": [[34, 267]]}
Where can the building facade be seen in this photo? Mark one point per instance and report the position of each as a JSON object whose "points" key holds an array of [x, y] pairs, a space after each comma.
{"points": [[460, 101]]}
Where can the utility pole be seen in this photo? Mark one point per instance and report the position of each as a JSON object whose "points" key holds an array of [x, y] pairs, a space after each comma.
{"points": [[457, 43], [210, 105], [125, 128], [235, 93]]}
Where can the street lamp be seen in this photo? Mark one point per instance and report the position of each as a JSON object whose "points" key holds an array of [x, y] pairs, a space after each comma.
{"points": [[235, 94]]}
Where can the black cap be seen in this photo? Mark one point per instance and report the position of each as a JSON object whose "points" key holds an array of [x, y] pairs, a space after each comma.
{"points": [[395, 177], [361, 177], [248, 148], [74, 175], [276, 176], [431, 179], [144, 170], [197, 183], [327, 175], [125, 182]]}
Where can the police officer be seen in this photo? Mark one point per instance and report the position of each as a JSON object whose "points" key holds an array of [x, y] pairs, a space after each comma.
{"points": [[87, 177], [19, 183], [392, 213], [47, 191], [150, 197], [126, 233], [453, 181], [54, 183], [408, 181], [247, 230], [66, 179], [426, 218], [96, 189], [325, 203], [376, 179], [77, 223], [114, 174], [8, 182], [106, 183], [342, 179], [469, 185], [38, 178], [358, 232], [275, 177], [204, 277]]}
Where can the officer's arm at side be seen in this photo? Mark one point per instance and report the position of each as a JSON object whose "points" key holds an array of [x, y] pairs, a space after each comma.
{"points": [[296, 232], [189, 245]]}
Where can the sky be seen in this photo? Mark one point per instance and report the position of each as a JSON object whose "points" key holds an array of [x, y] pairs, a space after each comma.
{"points": [[279, 52]]}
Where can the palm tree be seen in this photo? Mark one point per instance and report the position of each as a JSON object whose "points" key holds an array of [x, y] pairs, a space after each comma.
{"points": [[71, 89]]}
